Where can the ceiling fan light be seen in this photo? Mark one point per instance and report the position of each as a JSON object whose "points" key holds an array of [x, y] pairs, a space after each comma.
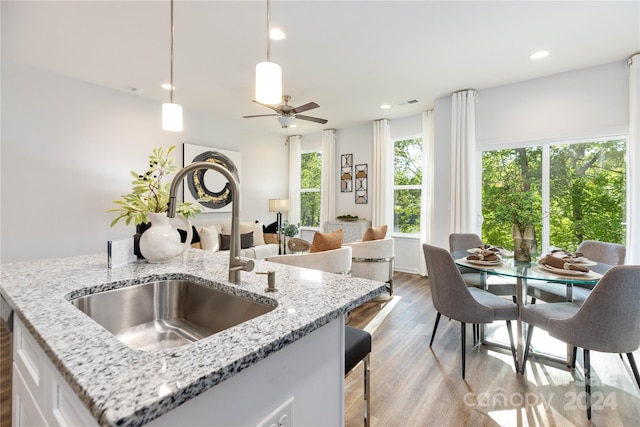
{"points": [[286, 121], [172, 117], [268, 83]]}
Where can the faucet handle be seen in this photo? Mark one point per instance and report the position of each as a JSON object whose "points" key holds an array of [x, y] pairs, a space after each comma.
{"points": [[271, 280]]}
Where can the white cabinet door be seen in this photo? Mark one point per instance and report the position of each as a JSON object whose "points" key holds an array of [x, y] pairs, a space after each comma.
{"points": [[41, 396]]}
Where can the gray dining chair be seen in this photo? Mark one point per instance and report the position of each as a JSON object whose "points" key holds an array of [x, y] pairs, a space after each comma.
{"points": [[607, 321], [454, 299], [497, 285], [602, 252]]}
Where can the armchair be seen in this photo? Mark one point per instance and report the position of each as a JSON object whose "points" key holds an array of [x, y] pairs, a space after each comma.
{"points": [[331, 261], [373, 259]]}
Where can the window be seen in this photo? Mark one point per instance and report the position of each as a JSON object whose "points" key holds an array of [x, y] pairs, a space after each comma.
{"points": [[407, 185], [310, 184], [571, 192]]}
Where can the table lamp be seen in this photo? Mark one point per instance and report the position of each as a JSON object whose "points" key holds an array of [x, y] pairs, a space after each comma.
{"points": [[279, 206]]}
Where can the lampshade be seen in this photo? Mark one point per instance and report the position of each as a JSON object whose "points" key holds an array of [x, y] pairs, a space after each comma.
{"points": [[268, 83], [278, 205], [286, 121], [172, 117]]}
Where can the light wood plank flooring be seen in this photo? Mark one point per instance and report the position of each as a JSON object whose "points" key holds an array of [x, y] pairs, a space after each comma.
{"points": [[5, 377], [413, 385]]}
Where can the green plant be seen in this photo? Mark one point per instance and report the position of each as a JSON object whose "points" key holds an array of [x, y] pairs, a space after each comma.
{"points": [[348, 216], [289, 229], [150, 194]]}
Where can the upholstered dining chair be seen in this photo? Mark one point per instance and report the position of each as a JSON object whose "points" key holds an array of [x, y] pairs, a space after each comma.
{"points": [[607, 321], [454, 299], [603, 252], [460, 242]]}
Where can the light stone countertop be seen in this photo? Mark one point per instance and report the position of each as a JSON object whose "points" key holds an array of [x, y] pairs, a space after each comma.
{"points": [[125, 386]]}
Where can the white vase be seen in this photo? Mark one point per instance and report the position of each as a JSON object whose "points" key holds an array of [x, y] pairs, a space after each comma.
{"points": [[161, 242]]}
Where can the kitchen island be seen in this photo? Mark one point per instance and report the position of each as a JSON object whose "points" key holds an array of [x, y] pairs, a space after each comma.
{"points": [[238, 376]]}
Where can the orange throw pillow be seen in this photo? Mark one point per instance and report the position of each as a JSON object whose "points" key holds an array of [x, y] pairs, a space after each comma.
{"points": [[375, 233], [326, 241]]}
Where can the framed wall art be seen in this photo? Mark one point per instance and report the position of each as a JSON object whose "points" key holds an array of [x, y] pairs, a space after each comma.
{"points": [[361, 184], [346, 174], [207, 183]]}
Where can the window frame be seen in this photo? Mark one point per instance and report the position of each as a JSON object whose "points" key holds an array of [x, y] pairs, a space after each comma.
{"points": [[395, 187], [311, 190], [545, 145]]}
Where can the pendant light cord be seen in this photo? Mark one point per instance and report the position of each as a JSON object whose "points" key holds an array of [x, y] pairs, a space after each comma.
{"points": [[171, 82], [268, 31]]}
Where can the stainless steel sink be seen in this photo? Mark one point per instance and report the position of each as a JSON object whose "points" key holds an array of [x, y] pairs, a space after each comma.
{"points": [[167, 313]]}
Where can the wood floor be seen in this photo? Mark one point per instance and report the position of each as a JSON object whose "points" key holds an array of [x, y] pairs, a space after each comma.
{"points": [[5, 377], [413, 385]]}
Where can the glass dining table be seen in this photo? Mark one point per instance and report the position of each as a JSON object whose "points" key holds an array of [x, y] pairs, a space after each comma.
{"points": [[523, 272]]}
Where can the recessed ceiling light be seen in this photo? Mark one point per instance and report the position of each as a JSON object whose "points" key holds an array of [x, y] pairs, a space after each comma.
{"points": [[385, 106], [167, 86], [277, 34], [293, 126], [539, 54]]}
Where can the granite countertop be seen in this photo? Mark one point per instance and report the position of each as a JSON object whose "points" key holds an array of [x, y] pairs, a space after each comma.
{"points": [[125, 386]]}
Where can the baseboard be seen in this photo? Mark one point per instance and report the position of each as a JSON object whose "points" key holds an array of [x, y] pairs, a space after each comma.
{"points": [[405, 270]]}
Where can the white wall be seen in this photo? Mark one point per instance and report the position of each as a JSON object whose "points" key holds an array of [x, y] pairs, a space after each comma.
{"points": [[590, 102], [68, 147], [585, 103]]}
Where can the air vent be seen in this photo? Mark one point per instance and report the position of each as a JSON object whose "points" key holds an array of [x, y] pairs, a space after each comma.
{"points": [[408, 102]]}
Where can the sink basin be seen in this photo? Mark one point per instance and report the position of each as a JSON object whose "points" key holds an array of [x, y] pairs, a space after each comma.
{"points": [[167, 313]]}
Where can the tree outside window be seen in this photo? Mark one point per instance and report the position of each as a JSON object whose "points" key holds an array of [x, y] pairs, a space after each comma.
{"points": [[586, 192], [407, 185], [310, 184]]}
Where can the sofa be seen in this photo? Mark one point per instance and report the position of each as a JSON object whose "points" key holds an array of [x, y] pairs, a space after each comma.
{"points": [[254, 242]]}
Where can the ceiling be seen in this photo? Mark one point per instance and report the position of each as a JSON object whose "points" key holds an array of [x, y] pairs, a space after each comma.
{"points": [[348, 56]]}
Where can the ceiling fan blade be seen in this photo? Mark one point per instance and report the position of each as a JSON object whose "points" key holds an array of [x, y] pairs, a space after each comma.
{"points": [[305, 107], [272, 107], [311, 119], [260, 115]]}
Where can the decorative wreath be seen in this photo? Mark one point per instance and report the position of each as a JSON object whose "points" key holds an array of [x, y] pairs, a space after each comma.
{"points": [[197, 187]]}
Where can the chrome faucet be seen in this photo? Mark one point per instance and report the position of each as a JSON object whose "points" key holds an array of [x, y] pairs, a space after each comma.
{"points": [[235, 262]]}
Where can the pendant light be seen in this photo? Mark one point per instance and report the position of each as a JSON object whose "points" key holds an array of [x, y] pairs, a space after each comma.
{"points": [[268, 74], [171, 113]]}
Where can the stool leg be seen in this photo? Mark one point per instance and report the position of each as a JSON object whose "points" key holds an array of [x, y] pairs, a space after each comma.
{"points": [[367, 397]]}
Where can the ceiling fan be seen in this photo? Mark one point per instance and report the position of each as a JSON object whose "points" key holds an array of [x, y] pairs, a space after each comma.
{"points": [[287, 114]]}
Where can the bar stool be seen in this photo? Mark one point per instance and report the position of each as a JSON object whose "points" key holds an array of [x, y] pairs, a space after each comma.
{"points": [[357, 347]]}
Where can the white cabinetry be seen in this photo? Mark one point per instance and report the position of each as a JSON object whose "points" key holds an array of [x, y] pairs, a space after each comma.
{"points": [[41, 397], [351, 230]]}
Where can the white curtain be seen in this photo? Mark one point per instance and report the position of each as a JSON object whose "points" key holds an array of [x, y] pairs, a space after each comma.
{"points": [[380, 191], [427, 208], [328, 189], [464, 216], [294, 179], [633, 165]]}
